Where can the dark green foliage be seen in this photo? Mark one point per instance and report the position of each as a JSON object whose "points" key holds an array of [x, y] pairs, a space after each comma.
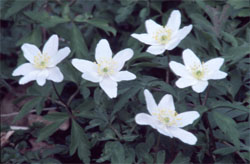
{"points": [[103, 130]]}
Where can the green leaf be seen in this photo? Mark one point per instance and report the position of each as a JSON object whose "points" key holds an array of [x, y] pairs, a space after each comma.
{"points": [[125, 98], [56, 116], [228, 126], [27, 108], [181, 159], [118, 153], [33, 38], [16, 6], [234, 54], [77, 43], [219, 104], [45, 19], [79, 142], [97, 22], [225, 151], [49, 130], [161, 157]]}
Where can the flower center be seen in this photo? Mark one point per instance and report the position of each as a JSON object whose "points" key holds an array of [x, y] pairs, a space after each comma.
{"points": [[106, 67], [41, 61], [163, 36], [198, 72], [167, 117]]}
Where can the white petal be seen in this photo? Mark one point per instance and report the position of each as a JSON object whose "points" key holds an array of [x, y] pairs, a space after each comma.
{"points": [[28, 77], [174, 21], [182, 33], [212, 66], [167, 102], [183, 135], [123, 75], [84, 65], [190, 59], [172, 44], [103, 51], [218, 75], [164, 130], [122, 56], [145, 119], [200, 86], [109, 86], [41, 77], [55, 74], [51, 46], [92, 76], [150, 102], [23, 69], [156, 50], [184, 82], [61, 54], [152, 26], [187, 118], [179, 69], [145, 38], [29, 51]]}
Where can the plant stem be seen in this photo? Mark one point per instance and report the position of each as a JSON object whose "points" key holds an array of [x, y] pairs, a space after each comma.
{"points": [[59, 97], [206, 96], [167, 70], [200, 99], [158, 142]]}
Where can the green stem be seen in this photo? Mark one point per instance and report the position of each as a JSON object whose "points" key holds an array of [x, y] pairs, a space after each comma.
{"points": [[65, 105], [158, 142], [167, 70]]}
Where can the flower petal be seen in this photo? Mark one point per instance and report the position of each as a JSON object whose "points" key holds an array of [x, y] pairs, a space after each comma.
{"points": [[51, 46], [200, 86], [123, 75], [29, 51], [167, 102], [41, 77], [23, 69], [172, 44], [84, 65], [156, 50], [92, 76], [213, 66], [55, 75], [122, 56], [179, 69], [182, 33], [109, 86], [103, 51], [150, 102], [145, 38], [174, 21], [164, 130], [61, 54], [218, 75], [145, 119], [183, 135], [28, 77], [190, 59], [152, 26], [184, 82], [187, 118]]}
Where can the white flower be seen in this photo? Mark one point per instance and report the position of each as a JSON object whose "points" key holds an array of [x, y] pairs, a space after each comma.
{"points": [[163, 38], [166, 120], [107, 71], [196, 73], [42, 65]]}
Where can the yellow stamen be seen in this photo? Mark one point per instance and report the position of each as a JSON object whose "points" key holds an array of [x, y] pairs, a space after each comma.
{"points": [[163, 36], [106, 67], [167, 117], [41, 61]]}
